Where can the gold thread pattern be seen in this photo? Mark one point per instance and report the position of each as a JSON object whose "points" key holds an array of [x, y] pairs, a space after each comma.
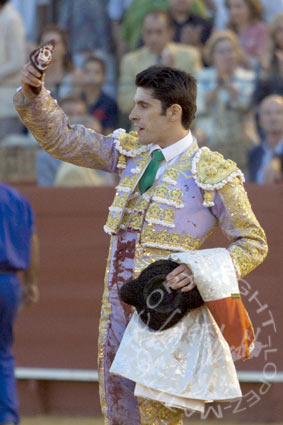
{"points": [[155, 413], [128, 182], [212, 168], [171, 173], [103, 331], [139, 203], [171, 197], [249, 245], [132, 220], [166, 240], [163, 216], [122, 162], [120, 200], [112, 222]]}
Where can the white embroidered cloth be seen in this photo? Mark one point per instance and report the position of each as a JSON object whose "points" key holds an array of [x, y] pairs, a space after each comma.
{"points": [[213, 270], [184, 366]]}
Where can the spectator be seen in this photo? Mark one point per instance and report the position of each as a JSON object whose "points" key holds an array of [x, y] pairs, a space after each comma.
{"points": [[188, 27], [12, 56], [131, 27], [246, 20], [270, 79], [88, 24], [18, 251], [265, 160], [157, 36], [61, 78], [35, 16], [224, 99], [76, 110], [46, 168], [71, 175], [129, 38], [99, 104]]}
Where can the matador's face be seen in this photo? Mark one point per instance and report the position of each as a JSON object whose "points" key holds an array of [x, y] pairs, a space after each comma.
{"points": [[151, 123]]}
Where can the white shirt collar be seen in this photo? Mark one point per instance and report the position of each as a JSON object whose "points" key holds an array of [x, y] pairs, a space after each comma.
{"points": [[176, 148]]}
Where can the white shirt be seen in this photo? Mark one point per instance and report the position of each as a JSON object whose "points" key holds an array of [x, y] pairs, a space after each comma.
{"points": [[172, 152]]}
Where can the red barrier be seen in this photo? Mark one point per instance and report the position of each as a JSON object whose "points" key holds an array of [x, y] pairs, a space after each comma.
{"points": [[61, 331]]}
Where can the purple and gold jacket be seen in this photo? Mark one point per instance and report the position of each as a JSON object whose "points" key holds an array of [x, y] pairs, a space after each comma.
{"points": [[199, 192]]}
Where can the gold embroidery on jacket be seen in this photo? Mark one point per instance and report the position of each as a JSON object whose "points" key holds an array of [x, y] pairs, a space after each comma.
{"points": [[162, 216], [132, 220], [251, 249], [127, 183], [166, 240], [112, 222], [120, 200], [172, 197]]}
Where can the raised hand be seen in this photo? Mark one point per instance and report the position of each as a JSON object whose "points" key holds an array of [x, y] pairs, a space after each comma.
{"points": [[31, 78]]}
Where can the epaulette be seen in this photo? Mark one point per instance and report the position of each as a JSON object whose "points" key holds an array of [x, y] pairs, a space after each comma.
{"points": [[211, 171], [127, 144]]}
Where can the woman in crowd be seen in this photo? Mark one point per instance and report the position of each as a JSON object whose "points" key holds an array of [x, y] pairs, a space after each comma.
{"points": [[246, 20], [224, 98], [61, 77], [270, 79]]}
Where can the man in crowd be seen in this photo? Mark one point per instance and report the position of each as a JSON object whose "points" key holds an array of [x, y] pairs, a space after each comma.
{"points": [[184, 20], [18, 251], [266, 160], [159, 48], [170, 197]]}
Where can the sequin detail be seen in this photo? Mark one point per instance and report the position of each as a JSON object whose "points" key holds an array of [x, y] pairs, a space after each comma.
{"points": [[103, 331], [155, 413], [168, 196], [248, 251], [150, 237]]}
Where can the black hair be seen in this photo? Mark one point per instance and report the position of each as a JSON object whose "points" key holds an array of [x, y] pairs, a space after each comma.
{"points": [[3, 2], [156, 13], [171, 86], [93, 58]]}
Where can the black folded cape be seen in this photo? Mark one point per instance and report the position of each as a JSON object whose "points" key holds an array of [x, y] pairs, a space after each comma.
{"points": [[159, 307]]}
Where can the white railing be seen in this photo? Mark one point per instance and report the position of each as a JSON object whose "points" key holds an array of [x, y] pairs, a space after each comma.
{"points": [[85, 375]]}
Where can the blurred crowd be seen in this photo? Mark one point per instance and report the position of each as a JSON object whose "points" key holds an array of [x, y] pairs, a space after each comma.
{"points": [[234, 48]]}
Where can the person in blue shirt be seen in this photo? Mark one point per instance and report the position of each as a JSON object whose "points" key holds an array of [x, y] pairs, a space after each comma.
{"points": [[99, 104], [18, 252], [265, 161]]}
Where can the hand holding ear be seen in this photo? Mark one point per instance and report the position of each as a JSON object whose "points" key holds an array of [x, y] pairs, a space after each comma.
{"points": [[181, 278]]}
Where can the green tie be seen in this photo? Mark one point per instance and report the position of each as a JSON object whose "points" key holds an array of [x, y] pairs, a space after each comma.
{"points": [[149, 175]]}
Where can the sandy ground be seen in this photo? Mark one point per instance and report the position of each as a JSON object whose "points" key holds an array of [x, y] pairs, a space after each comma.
{"points": [[52, 420]]}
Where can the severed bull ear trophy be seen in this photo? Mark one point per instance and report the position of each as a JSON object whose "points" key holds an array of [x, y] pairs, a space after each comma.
{"points": [[41, 58]]}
